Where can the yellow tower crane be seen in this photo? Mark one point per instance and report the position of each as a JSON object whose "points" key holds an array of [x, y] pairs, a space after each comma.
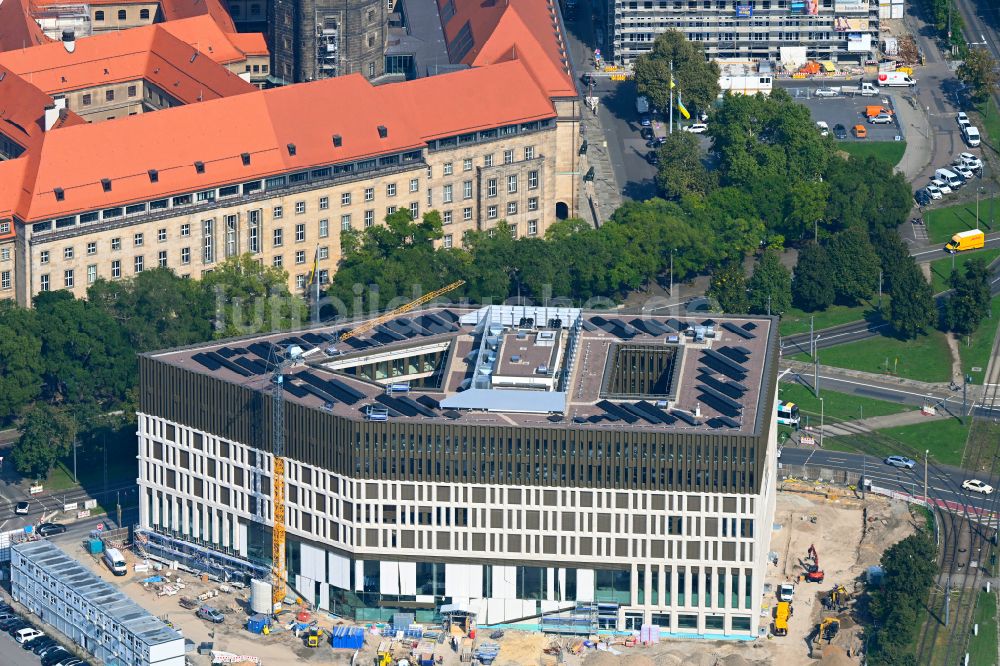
{"points": [[373, 323], [279, 573]]}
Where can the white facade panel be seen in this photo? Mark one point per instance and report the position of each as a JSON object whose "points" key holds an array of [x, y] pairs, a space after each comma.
{"points": [[585, 585], [388, 573], [408, 578], [340, 571]]}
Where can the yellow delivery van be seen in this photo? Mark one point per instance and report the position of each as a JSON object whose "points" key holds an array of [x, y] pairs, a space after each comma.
{"points": [[973, 239]]}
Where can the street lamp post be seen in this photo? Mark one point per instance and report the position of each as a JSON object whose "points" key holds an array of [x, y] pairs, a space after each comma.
{"points": [[926, 452], [816, 366], [822, 404], [979, 191]]}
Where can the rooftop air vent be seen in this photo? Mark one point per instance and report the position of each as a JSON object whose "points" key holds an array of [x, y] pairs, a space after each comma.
{"points": [[194, 56], [106, 184], [154, 175], [199, 167], [338, 140], [383, 131], [291, 149], [69, 40], [60, 194], [246, 159]]}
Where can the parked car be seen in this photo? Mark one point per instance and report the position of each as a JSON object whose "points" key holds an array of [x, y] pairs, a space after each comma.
{"points": [[826, 92], [39, 644], [21, 508], [645, 120], [786, 591], [696, 128], [72, 661], [934, 191], [51, 650], [652, 157], [963, 171], [48, 529], [963, 119], [900, 461], [824, 129], [55, 655], [839, 131], [881, 119], [210, 614], [977, 486], [647, 133], [942, 186], [5, 625], [16, 626], [922, 197], [27, 634], [969, 158], [860, 131]]}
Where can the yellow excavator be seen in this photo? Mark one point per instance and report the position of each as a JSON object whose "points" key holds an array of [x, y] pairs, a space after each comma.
{"points": [[837, 599], [826, 630], [314, 637]]}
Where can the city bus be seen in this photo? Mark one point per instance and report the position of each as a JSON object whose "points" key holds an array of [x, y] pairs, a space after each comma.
{"points": [[788, 414]]}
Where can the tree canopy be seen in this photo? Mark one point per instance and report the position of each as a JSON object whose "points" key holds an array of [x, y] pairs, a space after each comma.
{"points": [[981, 72], [970, 302], [695, 76]]}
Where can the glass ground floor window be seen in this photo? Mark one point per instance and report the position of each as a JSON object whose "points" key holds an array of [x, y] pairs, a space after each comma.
{"points": [[741, 623], [715, 622]]}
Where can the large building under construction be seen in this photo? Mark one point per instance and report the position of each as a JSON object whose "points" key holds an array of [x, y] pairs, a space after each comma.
{"points": [[535, 465]]}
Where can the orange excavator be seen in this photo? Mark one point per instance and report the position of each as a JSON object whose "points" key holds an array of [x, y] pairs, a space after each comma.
{"points": [[813, 573]]}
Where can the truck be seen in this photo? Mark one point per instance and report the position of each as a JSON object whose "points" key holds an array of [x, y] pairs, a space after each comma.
{"points": [[895, 79], [642, 105], [972, 239], [876, 110], [747, 85], [865, 89], [781, 614]]}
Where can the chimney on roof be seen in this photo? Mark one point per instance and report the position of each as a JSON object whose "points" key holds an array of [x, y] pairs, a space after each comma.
{"points": [[69, 40], [154, 176], [383, 131], [60, 194], [199, 166], [106, 184], [338, 141], [52, 112], [291, 149], [246, 159], [194, 56]]}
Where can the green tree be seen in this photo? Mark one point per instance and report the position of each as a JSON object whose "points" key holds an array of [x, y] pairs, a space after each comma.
{"points": [[812, 287], [981, 72], [85, 353], [969, 302], [157, 309], [20, 359], [911, 308], [46, 435], [770, 286], [865, 193], [250, 297], [805, 205], [696, 77], [854, 265], [729, 288], [681, 171]]}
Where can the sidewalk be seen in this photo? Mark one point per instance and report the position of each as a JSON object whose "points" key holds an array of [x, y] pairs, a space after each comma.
{"points": [[937, 390], [916, 129], [600, 198], [878, 423]]}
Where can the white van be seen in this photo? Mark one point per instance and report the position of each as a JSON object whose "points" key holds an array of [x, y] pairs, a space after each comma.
{"points": [[971, 135], [28, 634], [115, 561], [950, 178]]}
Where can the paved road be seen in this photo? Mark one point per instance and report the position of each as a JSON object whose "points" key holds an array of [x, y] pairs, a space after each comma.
{"points": [[944, 483], [42, 508], [922, 254], [12, 654]]}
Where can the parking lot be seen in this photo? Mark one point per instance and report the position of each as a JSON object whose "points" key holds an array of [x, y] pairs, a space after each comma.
{"points": [[850, 111]]}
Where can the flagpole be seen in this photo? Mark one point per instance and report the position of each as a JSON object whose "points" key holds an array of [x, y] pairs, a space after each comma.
{"points": [[671, 131]]}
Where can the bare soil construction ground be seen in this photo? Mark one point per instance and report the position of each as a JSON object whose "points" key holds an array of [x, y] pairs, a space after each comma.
{"points": [[805, 516]]}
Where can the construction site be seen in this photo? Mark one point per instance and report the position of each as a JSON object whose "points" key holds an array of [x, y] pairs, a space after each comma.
{"points": [[826, 541]]}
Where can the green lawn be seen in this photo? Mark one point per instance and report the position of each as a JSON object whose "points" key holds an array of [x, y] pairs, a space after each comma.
{"points": [[990, 125], [983, 648], [925, 359], [943, 223], [836, 406], [977, 354], [941, 268], [945, 439], [887, 151], [796, 321]]}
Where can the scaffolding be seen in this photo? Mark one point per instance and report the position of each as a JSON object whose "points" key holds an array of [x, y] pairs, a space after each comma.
{"points": [[327, 46], [582, 620], [194, 558]]}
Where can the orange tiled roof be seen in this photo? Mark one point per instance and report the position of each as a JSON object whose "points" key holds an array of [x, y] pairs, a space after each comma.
{"points": [[22, 109], [482, 32], [250, 43], [469, 100], [149, 52], [205, 34], [307, 115], [181, 9], [17, 29]]}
